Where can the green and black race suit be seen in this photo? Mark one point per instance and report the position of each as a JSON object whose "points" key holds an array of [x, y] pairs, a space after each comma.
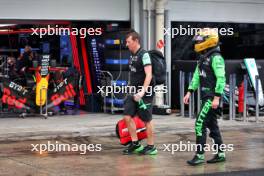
{"points": [[210, 75]]}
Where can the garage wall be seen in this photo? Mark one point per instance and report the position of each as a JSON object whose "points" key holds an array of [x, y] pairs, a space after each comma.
{"points": [[65, 9], [246, 11]]}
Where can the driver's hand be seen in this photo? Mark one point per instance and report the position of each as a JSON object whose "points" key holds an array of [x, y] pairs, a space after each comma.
{"points": [[186, 98], [138, 96]]}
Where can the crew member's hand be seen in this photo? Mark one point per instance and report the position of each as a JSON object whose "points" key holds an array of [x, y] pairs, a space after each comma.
{"points": [[215, 102], [186, 98], [138, 96]]}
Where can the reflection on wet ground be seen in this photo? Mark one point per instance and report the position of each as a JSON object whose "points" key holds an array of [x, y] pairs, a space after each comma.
{"points": [[16, 158]]}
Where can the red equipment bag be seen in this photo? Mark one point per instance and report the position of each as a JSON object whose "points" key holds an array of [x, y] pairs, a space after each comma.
{"points": [[123, 134]]}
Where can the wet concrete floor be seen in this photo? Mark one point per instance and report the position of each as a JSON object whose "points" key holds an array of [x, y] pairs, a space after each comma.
{"points": [[16, 158]]}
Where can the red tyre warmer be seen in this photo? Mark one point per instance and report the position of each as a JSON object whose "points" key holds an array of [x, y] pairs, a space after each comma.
{"points": [[123, 134]]}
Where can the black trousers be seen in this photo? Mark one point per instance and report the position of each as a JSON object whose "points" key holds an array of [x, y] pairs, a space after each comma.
{"points": [[207, 118]]}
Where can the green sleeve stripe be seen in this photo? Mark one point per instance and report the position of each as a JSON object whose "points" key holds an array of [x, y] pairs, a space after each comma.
{"points": [[218, 65], [195, 80], [146, 59]]}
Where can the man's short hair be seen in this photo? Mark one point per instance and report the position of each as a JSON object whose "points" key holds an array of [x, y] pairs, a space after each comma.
{"points": [[134, 35]]}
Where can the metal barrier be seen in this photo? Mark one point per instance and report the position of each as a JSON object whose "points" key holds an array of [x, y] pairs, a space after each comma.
{"points": [[191, 100], [245, 98], [257, 97], [113, 108], [232, 97], [106, 74], [191, 106], [182, 86], [245, 107]]}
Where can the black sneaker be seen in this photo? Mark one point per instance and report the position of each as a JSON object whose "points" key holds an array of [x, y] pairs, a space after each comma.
{"points": [[149, 150], [133, 148], [220, 157], [197, 159]]}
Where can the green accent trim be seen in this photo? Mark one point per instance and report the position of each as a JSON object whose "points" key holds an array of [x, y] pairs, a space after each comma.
{"points": [[139, 149], [200, 156], [142, 105], [202, 115], [152, 152], [206, 89], [146, 59], [221, 155], [34, 78], [195, 80], [218, 65]]}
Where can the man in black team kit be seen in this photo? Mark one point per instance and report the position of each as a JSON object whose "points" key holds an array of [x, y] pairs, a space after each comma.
{"points": [[210, 75], [141, 79]]}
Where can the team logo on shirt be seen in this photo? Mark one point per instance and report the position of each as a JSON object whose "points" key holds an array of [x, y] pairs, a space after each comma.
{"points": [[202, 73], [133, 69], [133, 59], [207, 60]]}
